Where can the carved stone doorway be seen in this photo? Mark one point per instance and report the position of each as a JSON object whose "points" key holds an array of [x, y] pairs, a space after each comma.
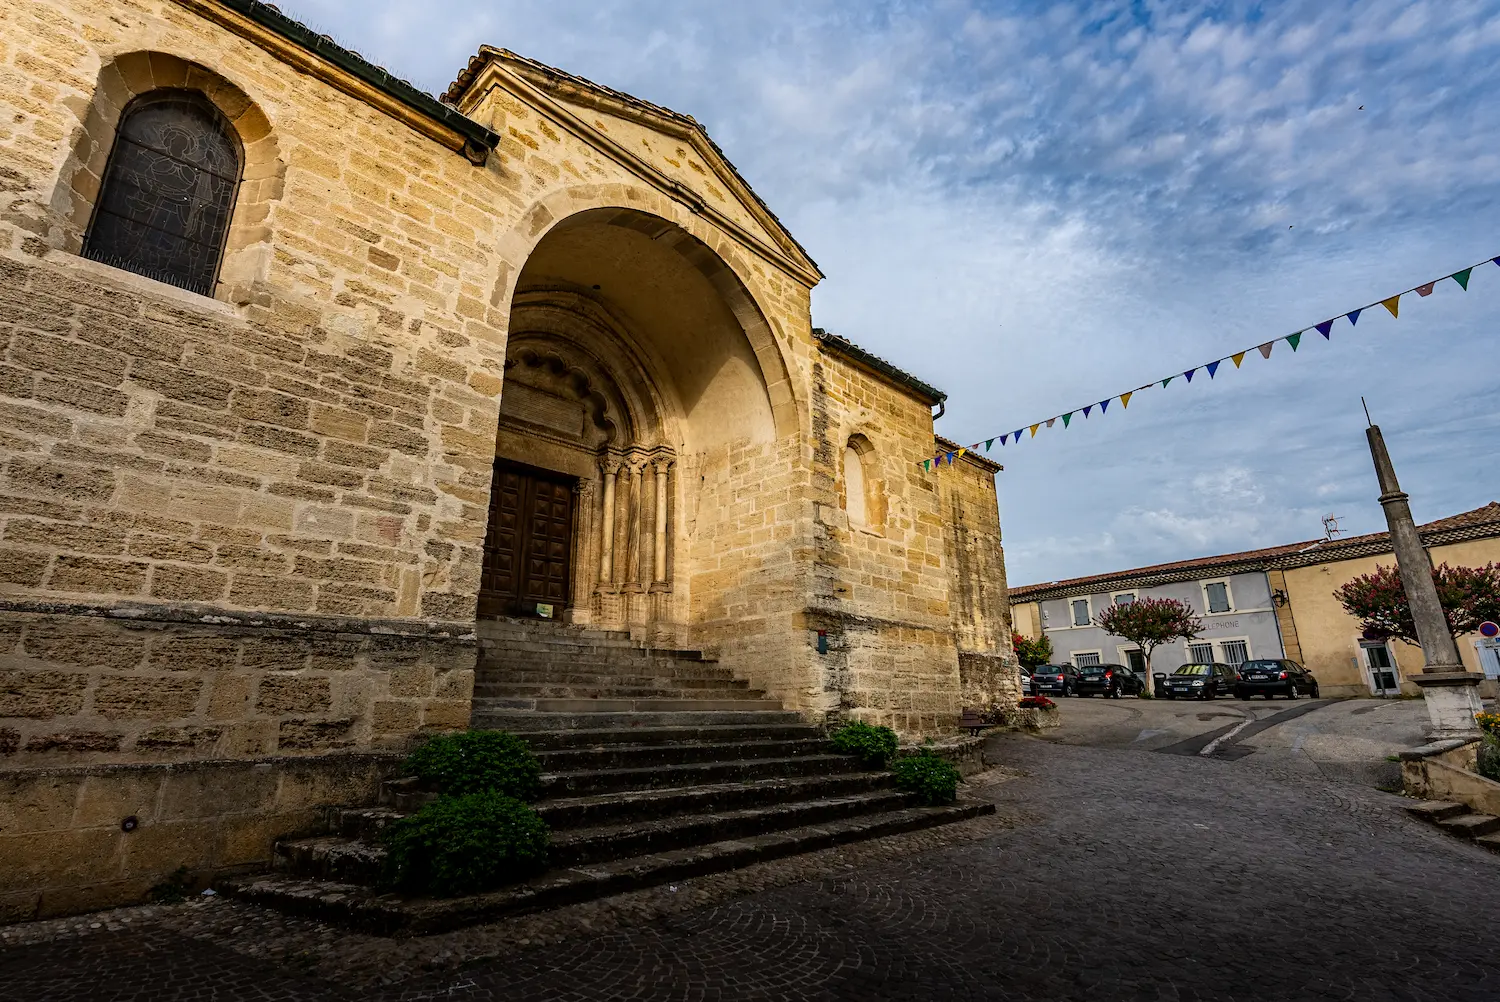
{"points": [[528, 545]]}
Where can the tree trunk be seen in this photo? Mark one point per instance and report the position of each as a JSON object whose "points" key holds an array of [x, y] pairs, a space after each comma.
{"points": [[1148, 692]]}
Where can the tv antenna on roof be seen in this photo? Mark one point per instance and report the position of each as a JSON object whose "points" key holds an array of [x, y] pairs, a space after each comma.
{"points": [[1331, 530]]}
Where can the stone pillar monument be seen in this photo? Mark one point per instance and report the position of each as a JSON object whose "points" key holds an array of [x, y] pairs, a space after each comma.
{"points": [[1452, 694]]}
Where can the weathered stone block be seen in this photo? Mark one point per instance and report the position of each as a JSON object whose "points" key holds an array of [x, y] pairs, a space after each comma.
{"points": [[395, 716], [150, 697], [283, 694], [446, 714], [95, 575], [39, 695], [85, 645], [315, 734], [75, 741], [187, 584]]}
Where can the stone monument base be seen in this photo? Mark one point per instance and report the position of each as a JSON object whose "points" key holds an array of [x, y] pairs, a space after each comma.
{"points": [[1452, 701]]}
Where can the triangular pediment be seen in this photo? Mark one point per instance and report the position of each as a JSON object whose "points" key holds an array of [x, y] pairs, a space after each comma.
{"points": [[670, 151]]}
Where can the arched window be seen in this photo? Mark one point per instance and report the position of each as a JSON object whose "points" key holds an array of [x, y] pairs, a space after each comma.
{"points": [[854, 487], [168, 191]]}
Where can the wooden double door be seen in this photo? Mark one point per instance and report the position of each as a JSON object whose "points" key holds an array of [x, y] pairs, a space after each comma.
{"points": [[528, 545]]}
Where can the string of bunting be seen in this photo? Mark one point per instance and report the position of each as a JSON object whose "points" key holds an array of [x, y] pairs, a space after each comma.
{"points": [[1391, 303]]}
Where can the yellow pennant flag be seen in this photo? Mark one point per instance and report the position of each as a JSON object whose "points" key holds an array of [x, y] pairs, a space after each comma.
{"points": [[1237, 359], [1125, 399], [1393, 304], [1034, 428], [961, 452]]}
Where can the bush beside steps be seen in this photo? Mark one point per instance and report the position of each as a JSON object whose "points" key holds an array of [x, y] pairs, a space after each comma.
{"points": [[928, 775], [479, 834]]}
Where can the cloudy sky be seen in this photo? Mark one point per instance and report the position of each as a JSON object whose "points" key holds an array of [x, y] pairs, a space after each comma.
{"points": [[1038, 205]]}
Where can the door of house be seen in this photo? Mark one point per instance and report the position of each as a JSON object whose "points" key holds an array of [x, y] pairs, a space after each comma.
{"points": [[1382, 668], [528, 543]]}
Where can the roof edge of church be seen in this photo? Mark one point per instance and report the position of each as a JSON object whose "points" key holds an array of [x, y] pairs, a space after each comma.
{"points": [[849, 349]]}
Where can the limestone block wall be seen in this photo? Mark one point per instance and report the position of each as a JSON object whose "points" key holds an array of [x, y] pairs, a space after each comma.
{"points": [[979, 601], [64, 841], [880, 590]]}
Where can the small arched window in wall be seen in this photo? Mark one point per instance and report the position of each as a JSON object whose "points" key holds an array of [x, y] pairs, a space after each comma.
{"points": [[864, 498], [168, 191]]}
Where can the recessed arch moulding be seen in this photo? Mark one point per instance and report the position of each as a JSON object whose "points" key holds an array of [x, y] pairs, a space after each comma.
{"points": [[639, 364]]}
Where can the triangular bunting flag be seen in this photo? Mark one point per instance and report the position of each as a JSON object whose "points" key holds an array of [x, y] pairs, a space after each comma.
{"points": [[1265, 349], [1164, 382], [1393, 304], [1237, 358], [926, 464], [1353, 316], [987, 443], [1103, 406], [1051, 421], [1294, 340], [1003, 438], [1034, 428], [1495, 259], [1066, 418], [961, 453], [1462, 278], [1087, 409], [1212, 368], [1326, 326], [950, 459], [1425, 290], [1016, 435], [1189, 374], [1125, 399]]}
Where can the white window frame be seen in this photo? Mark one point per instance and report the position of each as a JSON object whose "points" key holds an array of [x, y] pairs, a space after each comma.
{"points": [[1114, 597], [1228, 596], [1221, 641], [1073, 657], [1072, 623], [1187, 651]]}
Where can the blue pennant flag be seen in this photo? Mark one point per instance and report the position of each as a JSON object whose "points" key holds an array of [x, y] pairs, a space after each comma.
{"points": [[1189, 374], [1212, 368], [1325, 328], [1087, 409], [1353, 316], [1103, 406]]}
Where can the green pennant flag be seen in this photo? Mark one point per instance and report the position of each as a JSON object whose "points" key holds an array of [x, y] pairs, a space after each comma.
{"points": [[1294, 340], [1462, 278], [1066, 418], [927, 464], [987, 443], [1164, 382]]}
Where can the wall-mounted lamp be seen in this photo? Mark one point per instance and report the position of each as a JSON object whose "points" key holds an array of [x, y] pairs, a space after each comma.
{"points": [[1279, 597]]}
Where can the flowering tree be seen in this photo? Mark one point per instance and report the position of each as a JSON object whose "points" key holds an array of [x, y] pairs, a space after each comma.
{"points": [[1032, 652], [1469, 596], [1149, 623]]}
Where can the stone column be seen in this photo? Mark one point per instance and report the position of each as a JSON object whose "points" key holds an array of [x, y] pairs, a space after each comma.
{"points": [[637, 512], [1451, 693], [607, 526], [659, 565]]}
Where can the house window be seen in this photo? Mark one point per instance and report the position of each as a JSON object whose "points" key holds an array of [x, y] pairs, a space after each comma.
{"points": [[168, 191], [1080, 607], [1200, 654], [1234, 652], [1082, 659], [1124, 597], [1216, 596], [1135, 658]]}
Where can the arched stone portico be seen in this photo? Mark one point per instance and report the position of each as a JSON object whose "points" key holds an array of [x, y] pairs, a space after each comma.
{"points": [[632, 381]]}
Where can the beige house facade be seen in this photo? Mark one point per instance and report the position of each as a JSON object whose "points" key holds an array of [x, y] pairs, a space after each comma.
{"points": [[387, 366], [1273, 603]]}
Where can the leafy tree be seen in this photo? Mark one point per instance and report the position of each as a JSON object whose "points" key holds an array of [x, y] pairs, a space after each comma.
{"points": [[1469, 596], [1032, 652], [1149, 623]]}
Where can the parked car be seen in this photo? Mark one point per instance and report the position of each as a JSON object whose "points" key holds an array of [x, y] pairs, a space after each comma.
{"points": [[1200, 681], [1279, 677], [1059, 679], [1109, 680]]}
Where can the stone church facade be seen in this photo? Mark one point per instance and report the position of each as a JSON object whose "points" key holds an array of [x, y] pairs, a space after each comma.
{"points": [[386, 366]]}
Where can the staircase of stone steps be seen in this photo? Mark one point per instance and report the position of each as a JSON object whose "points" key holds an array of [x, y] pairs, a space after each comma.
{"points": [[1457, 819], [645, 780]]}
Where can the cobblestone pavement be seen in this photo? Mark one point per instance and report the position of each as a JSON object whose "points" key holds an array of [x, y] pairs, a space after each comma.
{"points": [[1111, 873]]}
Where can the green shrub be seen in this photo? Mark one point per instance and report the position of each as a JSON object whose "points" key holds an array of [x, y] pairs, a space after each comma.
{"points": [[464, 845], [933, 779], [1489, 757], [475, 762], [874, 745]]}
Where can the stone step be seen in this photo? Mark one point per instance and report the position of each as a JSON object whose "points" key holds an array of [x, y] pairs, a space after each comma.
{"points": [[1490, 842], [367, 910], [533, 691], [486, 717], [541, 628], [607, 739], [707, 704], [1470, 826], [365, 822], [624, 755], [330, 857], [554, 649], [622, 806], [694, 774], [679, 674], [588, 846], [1436, 810]]}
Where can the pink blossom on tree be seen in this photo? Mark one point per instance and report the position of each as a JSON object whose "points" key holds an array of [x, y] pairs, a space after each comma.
{"points": [[1149, 623], [1469, 596]]}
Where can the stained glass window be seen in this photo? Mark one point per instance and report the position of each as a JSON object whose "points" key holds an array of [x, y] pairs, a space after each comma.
{"points": [[168, 192]]}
